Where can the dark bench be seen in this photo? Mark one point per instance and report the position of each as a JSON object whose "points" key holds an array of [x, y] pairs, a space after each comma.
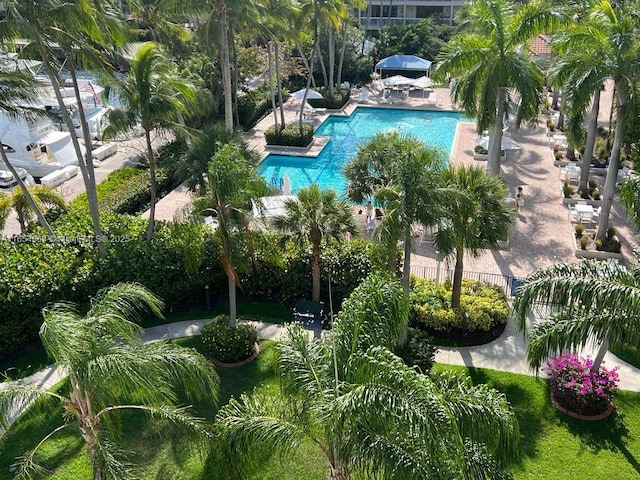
{"points": [[308, 312]]}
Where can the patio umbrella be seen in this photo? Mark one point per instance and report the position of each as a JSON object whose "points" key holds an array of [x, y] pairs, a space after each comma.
{"points": [[311, 94], [423, 83], [397, 80]]}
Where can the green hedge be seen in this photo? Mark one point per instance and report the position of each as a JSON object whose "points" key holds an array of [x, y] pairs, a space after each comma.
{"points": [[485, 305], [252, 106], [290, 135], [340, 98]]}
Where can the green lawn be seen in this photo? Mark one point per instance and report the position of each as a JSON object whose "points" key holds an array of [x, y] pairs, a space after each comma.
{"points": [[552, 446], [626, 352]]}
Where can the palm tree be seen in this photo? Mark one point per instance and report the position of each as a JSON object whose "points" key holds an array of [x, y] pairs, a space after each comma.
{"points": [[609, 41], [18, 86], [316, 215], [594, 302], [491, 67], [110, 370], [42, 196], [152, 96], [206, 142], [233, 182], [367, 411], [476, 219], [403, 176]]}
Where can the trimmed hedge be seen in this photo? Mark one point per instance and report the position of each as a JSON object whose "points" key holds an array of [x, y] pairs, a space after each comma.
{"points": [[290, 135], [228, 344], [485, 305], [252, 106]]}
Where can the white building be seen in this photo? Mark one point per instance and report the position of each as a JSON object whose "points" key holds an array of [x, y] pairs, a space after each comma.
{"points": [[380, 13]]}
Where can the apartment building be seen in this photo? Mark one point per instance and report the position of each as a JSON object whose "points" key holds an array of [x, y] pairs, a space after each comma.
{"points": [[380, 13]]}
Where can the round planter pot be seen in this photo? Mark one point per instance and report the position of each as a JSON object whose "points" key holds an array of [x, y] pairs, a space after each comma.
{"points": [[588, 418], [241, 363]]}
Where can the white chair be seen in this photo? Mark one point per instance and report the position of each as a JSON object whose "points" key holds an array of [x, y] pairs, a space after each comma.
{"points": [[595, 216], [573, 216], [364, 95]]}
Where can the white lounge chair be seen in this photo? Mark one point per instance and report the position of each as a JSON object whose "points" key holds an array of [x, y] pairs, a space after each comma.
{"points": [[312, 110], [364, 95]]}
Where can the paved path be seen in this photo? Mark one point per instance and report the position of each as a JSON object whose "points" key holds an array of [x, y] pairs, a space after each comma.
{"points": [[507, 353]]}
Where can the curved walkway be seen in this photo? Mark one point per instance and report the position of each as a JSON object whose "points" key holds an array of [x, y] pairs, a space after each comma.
{"points": [[508, 353]]}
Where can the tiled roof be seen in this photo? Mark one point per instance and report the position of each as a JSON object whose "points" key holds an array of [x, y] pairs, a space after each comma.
{"points": [[540, 45]]}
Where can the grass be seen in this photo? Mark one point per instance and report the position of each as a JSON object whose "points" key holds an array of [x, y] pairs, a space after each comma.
{"points": [[626, 352], [553, 446], [36, 359]]}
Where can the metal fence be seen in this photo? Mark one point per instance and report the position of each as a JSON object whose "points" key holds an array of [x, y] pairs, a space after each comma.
{"points": [[507, 282]]}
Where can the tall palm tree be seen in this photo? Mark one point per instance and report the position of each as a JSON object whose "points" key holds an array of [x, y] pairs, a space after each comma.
{"points": [[594, 302], [43, 196], [403, 175], [154, 97], [491, 68], [18, 87], [610, 41], [316, 215], [476, 219], [70, 27], [365, 410], [110, 370], [233, 182]]}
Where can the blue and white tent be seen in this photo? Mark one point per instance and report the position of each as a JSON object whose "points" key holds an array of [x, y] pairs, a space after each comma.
{"points": [[404, 62]]}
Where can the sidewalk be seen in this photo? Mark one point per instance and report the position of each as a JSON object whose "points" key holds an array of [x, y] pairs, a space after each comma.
{"points": [[508, 354]]}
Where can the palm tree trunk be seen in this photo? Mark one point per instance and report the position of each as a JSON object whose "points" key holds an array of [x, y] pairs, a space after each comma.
{"points": [[367, 12], [600, 355], [612, 170], [406, 272], [306, 63], [323, 69], [555, 98], [315, 271], [456, 288], [27, 194], [592, 130], [272, 93], [338, 473], [90, 186], [332, 58], [342, 50], [225, 67], [153, 186], [560, 124], [276, 53], [495, 143], [304, 99], [392, 262], [233, 320], [234, 85]]}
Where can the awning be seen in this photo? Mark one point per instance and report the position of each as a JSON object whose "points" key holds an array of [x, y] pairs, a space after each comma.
{"points": [[403, 62], [62, 148], [507, 143]]}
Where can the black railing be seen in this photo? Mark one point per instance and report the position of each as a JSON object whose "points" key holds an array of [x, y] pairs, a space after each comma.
{"points": [[507, 282]]}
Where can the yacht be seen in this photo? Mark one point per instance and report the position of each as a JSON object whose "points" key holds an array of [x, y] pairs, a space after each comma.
{"points": [[8, 182], [33, 144]]}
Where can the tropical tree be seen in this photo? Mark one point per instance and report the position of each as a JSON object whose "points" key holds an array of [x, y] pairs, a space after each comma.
{"points": [[367, 411], [316, 215], [71, 28], [491, 68], [233, 182], [158, 16], [476, 219], [153, 97], [110, 370], [43, 196], [204, 145], [606, 45], [403, 175], [592, 303], [18, 87]]}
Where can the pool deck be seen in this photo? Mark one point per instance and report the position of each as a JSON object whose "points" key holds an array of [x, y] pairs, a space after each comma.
{"points": [[541, 234]]}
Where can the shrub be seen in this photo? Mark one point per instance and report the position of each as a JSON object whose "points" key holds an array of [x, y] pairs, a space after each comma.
{"points": [[480, 150], [575, 387], [253, 105], [290, 135], [592, 185], [485, 305], [419, 350], [226, 343], [567, 190], [584, 242], [558, 155], [340, 97], [611, 232], [579, 230], [596, 194]]}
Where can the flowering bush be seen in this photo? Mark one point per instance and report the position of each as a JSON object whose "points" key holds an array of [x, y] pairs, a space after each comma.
{"points": [[228, 344], [575, 387]]}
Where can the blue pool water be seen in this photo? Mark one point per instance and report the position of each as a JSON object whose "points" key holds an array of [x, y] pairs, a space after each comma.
{"points": [[347, 133]]}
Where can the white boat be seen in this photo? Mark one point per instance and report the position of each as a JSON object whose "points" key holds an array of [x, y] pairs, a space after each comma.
{"points": [[32, 143], [8, 182]]}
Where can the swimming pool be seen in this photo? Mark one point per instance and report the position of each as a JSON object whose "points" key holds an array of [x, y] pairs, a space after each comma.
{"points": [[434, 128]]}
